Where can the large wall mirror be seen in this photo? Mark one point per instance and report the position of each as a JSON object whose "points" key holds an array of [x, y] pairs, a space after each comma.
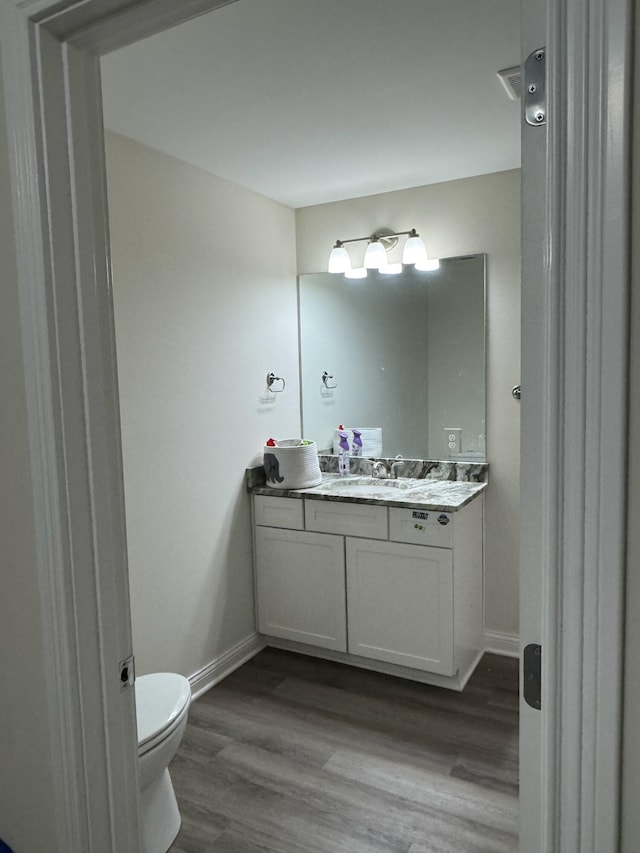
{"points": [[403, 355]]}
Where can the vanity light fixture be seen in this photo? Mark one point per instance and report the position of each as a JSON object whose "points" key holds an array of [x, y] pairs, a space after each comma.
{"points": [[339, 260], [375, 257], [414, 251]]}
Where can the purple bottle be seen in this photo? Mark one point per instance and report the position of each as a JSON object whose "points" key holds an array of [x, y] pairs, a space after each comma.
{"points": [[343, 452], [356, 447]]}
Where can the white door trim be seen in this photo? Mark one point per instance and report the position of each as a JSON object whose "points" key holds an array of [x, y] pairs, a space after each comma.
{"points": [[54, 118], [575, 346], [51, 76], [592, 239]]}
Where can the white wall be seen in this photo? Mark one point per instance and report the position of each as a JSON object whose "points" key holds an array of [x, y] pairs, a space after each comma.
{"points": [[205, 302], [460, 217], [26, 795]]}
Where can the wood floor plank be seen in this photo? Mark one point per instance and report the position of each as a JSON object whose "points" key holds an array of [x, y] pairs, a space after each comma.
{"points": [[200, 744], [288, 727], [445, 730], [268, 792], [266, 723], [494, 682], [351, 805], [298, 755], [199, 831], [445, 793], [456, 844], [489, 775]]}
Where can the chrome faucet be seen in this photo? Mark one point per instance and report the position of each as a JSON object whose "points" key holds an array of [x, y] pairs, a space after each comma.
{"points": [[399, 463], [379, 469]]}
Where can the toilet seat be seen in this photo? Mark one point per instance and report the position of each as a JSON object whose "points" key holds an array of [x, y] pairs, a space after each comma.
{"points": [[162, 700]]}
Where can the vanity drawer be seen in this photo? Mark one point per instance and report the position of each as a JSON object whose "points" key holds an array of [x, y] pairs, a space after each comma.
{"points": [[421, 527], [347, 519], [278, 512]]}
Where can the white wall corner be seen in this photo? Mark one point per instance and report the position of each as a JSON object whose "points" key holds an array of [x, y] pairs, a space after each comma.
{"points": [[211, 674], [502, 644]]}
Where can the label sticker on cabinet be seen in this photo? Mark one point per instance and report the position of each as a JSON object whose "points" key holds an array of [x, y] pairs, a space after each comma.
{"points": [[443, 519], [423, 516]]}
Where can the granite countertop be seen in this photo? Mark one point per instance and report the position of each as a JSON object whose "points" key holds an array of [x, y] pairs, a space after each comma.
{"points": [[442, 495]]}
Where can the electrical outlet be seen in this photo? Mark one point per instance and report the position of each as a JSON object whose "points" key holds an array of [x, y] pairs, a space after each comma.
{"points": [[453, 437]]}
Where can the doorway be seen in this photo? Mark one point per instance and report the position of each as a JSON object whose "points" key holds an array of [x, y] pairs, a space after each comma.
{"points": [[174, 251], [163, 340], [72, 80]]}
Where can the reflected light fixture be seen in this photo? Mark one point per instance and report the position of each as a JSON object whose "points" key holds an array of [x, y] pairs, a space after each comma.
{"points": [[356, 272], [375, 257], [391, 269], [429, 265]]}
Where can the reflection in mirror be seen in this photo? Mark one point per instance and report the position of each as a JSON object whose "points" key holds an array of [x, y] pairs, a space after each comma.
{"points": [[405, 354]]}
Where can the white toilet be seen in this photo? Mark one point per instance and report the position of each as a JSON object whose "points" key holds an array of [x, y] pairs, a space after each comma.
{"points": [[162, 705]]}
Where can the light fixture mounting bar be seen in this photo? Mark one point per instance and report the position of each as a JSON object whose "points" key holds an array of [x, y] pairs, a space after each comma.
{"points": [[352, 240], [377, 235]]}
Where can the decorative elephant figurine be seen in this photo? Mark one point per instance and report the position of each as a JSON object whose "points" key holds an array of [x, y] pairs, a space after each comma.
{"points": [[272, 468]]}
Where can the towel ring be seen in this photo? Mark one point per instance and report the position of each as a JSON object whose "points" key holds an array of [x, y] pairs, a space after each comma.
{"points": [[271, 378], [325, 377]]}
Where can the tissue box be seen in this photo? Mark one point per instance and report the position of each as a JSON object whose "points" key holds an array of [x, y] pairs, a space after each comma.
{"points": [[371, 438], [292, 464]]}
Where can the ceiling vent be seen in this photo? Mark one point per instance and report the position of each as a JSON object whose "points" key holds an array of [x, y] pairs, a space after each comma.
{"points": [[511, 79]]}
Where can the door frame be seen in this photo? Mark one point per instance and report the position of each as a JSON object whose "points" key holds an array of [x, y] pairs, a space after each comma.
{"points": [[573, 410], [575, 261]]}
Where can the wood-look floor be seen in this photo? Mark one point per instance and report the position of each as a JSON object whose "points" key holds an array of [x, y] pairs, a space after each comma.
{"points": [[291, 754]]}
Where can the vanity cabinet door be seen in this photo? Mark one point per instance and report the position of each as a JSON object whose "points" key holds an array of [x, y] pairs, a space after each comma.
{"points": [[301, 587], [400, 604]]}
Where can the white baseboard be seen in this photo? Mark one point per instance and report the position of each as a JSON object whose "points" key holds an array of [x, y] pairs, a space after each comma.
{"points": [[502, 644], [224, 665]]}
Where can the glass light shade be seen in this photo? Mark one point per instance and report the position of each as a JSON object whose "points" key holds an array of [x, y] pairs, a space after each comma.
{"points": [[356, 272], [429, 266], [339, 260], [375, 256], [391, 269], [414, 251]]}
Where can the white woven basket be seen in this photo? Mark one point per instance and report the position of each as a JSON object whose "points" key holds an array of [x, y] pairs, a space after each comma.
{"points": [[291, 465]]}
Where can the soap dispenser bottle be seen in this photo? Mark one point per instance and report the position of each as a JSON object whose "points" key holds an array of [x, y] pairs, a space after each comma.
{"points": [[343, 452], [356, 446]]}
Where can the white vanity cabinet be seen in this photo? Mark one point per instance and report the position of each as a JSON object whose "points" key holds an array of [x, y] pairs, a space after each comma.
{"points": [[299, 580], [389, 588], [400, 604]]}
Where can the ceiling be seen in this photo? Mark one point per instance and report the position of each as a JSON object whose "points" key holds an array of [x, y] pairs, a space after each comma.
{"points": [[311, 101]]}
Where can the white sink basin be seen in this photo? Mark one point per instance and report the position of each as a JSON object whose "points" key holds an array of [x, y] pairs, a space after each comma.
{"points": [[370, 485]]}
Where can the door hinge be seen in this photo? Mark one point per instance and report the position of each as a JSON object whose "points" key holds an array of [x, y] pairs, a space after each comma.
{"points": [[534, 91], [532, 675], [127, 672]]}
